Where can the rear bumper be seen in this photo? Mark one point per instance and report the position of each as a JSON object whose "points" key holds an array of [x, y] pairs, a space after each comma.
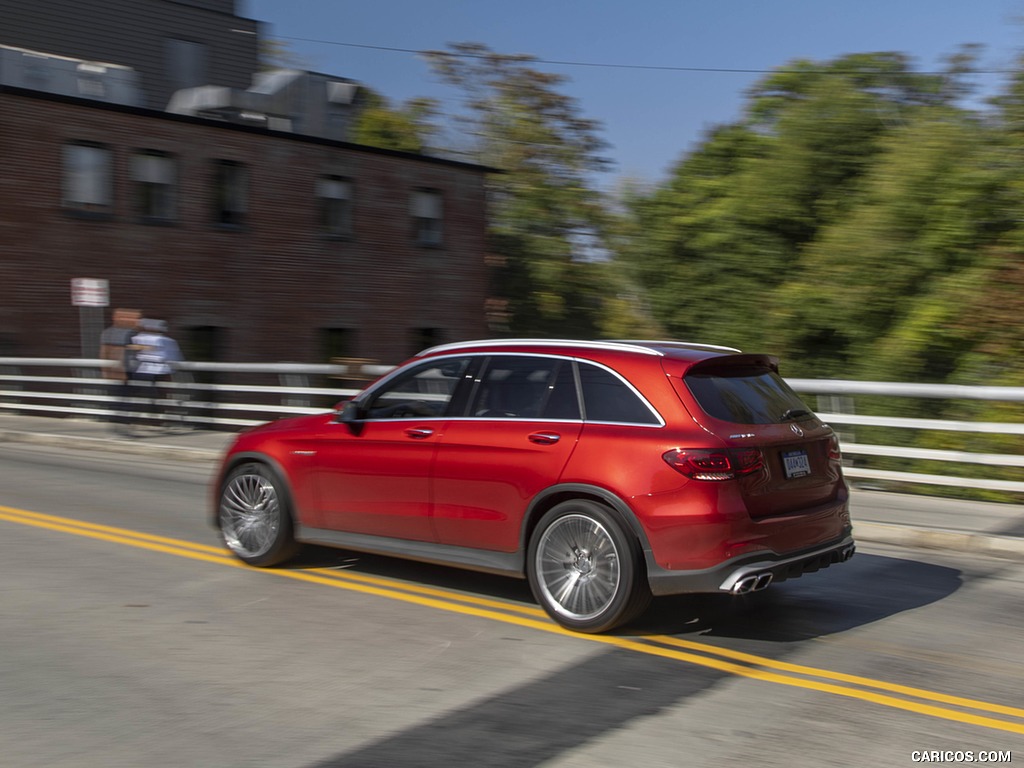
{"points": [[750, 572]]}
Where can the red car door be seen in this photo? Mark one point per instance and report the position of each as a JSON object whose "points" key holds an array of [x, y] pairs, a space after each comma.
{"points": [[373, 471], [514, 441], [378, 481]]}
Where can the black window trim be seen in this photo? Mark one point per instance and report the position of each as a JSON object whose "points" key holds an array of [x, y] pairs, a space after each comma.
{"points": [[474, 371], [583, 403]]}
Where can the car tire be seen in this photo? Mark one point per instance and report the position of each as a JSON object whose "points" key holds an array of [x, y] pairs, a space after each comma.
{"points": [[585, 568], [254, 516]]}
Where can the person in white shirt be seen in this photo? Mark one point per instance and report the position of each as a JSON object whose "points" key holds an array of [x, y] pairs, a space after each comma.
{"points": [[156, 354]]}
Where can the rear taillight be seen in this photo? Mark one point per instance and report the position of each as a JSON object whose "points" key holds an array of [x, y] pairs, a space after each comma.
{"points": [[835, 454], [715, 464]]}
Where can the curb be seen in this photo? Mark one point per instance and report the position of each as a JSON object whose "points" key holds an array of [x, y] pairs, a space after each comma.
{"points": [[992, 545], [159, 450]]}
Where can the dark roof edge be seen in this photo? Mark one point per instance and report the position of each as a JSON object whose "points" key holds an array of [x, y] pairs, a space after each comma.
{"points": [[223, 125]]}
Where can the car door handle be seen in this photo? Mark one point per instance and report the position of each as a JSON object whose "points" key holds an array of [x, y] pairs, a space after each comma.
{"points": [[419, 432], [545, 438]]}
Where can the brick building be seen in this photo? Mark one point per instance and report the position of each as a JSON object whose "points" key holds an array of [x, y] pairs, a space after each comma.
{"points": [[255, 244]]}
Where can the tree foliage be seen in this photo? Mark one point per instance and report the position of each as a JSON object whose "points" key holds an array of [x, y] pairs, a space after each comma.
{"points": [[548, 222], [409, 127], [857, 219], [845, 222]]}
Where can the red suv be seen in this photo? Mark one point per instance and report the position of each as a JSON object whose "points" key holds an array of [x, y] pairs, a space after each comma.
{"points": [[603, 472]]}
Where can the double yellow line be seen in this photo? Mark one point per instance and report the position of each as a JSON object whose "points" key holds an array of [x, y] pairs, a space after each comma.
{"points": [[934, 704]]}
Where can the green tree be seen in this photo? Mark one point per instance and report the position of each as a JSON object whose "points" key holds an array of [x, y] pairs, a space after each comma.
{"points": [[702, 264], [776, 231], [926, 210], [407, 128], [548, 221]]}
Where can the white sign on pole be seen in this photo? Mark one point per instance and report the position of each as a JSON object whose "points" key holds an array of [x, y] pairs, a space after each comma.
{"points": [[89, 292]]}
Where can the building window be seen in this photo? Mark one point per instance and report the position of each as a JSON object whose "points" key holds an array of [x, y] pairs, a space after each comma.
{"points": [[186, 63], [427, 210], [88, 178], [337, 343], [230, 191], [424, 338], [155, 178], [334, 195], [204, 343]]}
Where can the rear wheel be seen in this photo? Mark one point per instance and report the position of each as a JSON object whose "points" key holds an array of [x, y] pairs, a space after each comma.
{"points": [[585, 568], [254, 516]]}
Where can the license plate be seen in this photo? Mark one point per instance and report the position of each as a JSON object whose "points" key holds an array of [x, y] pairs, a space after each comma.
{"points": [[797, 463]]}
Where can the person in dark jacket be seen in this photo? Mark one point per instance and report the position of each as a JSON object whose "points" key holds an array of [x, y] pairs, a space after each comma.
{"points": [[116, 346]]}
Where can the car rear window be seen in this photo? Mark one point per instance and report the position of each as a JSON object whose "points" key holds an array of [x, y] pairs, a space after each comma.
{"points": [[745, 395]]}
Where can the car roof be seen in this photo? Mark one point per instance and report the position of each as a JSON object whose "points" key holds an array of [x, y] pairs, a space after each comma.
{"points": [[682, 350]]}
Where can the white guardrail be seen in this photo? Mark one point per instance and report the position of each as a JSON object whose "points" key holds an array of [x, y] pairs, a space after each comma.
{"points": [[232, 395]]}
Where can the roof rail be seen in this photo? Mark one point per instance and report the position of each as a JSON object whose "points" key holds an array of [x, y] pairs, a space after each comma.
{"points": [[609, 345], [678, 344]]}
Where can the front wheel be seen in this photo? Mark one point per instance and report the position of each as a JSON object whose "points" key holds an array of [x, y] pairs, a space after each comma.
{"points": [[254, 517], [585, 569]]}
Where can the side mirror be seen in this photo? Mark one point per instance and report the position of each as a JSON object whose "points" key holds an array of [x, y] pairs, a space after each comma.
{"points": [[350, 413]]}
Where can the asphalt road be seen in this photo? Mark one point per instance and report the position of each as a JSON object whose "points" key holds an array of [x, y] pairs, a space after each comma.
{"points": [[130, 639]]}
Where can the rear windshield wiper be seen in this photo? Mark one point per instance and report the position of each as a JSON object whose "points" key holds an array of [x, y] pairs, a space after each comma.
{"points": [[795, 413]]}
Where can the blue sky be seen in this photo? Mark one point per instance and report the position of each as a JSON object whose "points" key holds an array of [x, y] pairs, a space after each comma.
{"points": [[649, 117]]}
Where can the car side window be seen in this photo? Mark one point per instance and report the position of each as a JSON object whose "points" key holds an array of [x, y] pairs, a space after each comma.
{"points": [[608, 398], [423, 391], [523, 387]]}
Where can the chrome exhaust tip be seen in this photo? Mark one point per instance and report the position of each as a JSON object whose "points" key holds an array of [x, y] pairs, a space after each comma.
{"points": [[763, 580], [753, 583], [744, 585]]}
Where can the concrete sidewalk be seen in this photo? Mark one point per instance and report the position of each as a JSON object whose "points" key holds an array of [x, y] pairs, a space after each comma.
{"points": [[888, 518]]}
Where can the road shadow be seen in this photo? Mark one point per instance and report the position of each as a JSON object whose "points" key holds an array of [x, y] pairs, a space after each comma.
{"points": [[866, 589], [552, 715], [415, 572]]}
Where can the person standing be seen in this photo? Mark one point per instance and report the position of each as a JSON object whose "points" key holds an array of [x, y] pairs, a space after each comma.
{"points": [[117, 347], [156, 353]]}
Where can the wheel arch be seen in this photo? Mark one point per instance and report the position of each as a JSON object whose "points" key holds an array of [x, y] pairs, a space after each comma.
{"points": [[238, 459], [556, 494]]}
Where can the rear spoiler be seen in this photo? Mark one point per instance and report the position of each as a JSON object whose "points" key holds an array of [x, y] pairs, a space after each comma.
{"points": [[730, 362]]}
